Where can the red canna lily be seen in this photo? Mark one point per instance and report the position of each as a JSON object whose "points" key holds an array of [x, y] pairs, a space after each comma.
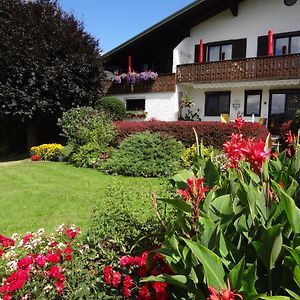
{"points": [[227, 294]]}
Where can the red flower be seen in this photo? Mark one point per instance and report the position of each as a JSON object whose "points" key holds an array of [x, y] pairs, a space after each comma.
{"points": [[145, 293], [160, 290], [1, 252], [68, 251], [15, 281], [26, 238], [225, 295], [232, 149], [71, 233], [239, 122], [6, 242], [126, 261], [255, 153], [107, 274], [59, 286], [126, 286], [53, 244], [35, 158], [25, 262], [54, 257], [6, 297], [55, 272], [41, 260], [195, 191], [116, 279]]}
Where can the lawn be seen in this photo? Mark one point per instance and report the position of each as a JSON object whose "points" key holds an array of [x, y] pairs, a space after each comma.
{"points": [[46, 194]]}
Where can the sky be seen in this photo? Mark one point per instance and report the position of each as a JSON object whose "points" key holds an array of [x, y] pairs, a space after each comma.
{"points": [[113, 22]]}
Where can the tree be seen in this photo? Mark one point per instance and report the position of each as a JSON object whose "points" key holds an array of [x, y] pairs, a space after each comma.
{"points": [[48, 63]]}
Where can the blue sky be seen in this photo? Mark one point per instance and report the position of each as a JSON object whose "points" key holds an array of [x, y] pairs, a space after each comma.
{"points": [[113, 22]]}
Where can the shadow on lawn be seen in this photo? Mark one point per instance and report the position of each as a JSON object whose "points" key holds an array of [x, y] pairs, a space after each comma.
{"points": [[13, 157]]}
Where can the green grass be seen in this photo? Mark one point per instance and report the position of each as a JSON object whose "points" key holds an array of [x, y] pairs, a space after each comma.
{"points": [[47, 194]]}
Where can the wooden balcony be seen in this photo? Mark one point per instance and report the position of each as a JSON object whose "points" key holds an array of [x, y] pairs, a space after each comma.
{"points": [[163, 83], [248, 69]]}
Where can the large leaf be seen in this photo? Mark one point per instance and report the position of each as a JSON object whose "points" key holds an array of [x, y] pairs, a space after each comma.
{"points": [[222, 205], [236, 274], [297, 275], [212, 264], [177, 280], [293, 188], [275, 297], [249, 279], [291, 210], [179, 180], [293, 294], [211, 174], [269, 247]]}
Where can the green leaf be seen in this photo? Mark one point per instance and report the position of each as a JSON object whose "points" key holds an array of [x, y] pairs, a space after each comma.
{"points": [[297, 275], [212, 264], [223, 205], [249, 279], [291, 210], [254, 177], [211, 174], [275, 298], [178, 204], [236, 274], [269, 247], [179, 180], [293, 188], [293, 294]]}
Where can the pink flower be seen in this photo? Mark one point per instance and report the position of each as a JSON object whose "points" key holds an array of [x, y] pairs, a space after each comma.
{"points": [[116, 279], [15, 281], [6, 242], [55, 272], [54, 257], [41, 260], [107, 274], [6, 297], [224, 295]]}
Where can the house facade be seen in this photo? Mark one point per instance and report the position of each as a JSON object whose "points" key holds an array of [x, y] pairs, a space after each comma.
{"points": [[227, 57]]}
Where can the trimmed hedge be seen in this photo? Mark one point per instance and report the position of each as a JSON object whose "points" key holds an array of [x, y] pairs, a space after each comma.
{"points": [[212, 133]]}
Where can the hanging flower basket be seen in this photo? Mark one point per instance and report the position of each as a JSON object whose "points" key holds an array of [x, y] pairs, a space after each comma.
{"points": [[134, 78], [136, 114]]}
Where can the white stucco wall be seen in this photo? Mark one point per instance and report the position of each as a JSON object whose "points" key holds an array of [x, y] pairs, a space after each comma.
{"points": [[160, 106], [255, 18]]}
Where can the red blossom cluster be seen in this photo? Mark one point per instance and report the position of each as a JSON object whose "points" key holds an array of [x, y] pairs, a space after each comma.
{"points": [[291, 140], [132, 269], [35, 158], [239, 122], [223, 295], [46, 265], [238, 148]]}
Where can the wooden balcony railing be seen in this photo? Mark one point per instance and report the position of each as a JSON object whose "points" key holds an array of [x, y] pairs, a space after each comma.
{"points": [[163, 83], [259, 68]]}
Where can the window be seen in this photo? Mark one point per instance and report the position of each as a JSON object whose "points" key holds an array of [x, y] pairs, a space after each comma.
{"points": [[135, 104], [252, 103], [217, 103], [219, 52], [287, 44]]}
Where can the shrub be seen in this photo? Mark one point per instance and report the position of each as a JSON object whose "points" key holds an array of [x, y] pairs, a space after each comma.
{"points": [[212, 133], [47, 151], [189, 155], [146, 154], [114, 106], [84, 125]]}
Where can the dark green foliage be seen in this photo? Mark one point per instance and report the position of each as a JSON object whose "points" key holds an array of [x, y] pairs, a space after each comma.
{"points": [[114, 106], [146, 154], [48, 62], [89, 133]]}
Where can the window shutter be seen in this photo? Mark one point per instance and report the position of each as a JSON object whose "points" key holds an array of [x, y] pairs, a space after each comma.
{"points": [[239, 48], [262, 46], [197, 52]]}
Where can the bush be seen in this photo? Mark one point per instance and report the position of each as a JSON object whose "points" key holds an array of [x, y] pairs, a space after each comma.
{"points": [[90, 155], [212, 133], [83, 125], [146, 154], [117, 228], [47, 151], [114, 106], [190, 154]]}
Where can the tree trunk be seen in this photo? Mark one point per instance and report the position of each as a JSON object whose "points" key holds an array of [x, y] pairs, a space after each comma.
{"points": [[31, 134]]}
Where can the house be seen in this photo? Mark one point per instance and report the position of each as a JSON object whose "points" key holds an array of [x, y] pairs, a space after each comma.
{"points": [[228, 56]]}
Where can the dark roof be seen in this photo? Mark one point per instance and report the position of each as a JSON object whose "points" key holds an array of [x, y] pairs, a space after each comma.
{"points": [[171, 30]]}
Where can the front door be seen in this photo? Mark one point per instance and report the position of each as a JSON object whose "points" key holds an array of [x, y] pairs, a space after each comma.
{"points": [[283, 106]]}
